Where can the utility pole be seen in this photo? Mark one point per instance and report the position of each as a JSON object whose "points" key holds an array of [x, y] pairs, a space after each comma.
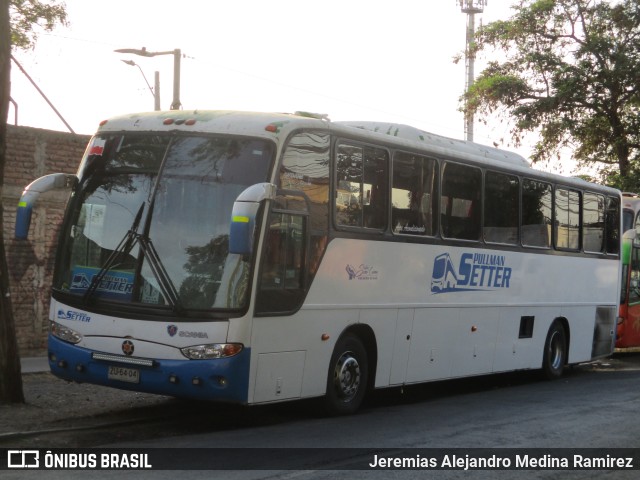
{"points": [[470, 7]]}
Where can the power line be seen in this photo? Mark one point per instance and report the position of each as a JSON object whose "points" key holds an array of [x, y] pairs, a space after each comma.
{"points": [[42, 93]]}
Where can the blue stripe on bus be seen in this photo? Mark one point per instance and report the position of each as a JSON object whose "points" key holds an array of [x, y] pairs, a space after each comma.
{"points": [[65, 359]]}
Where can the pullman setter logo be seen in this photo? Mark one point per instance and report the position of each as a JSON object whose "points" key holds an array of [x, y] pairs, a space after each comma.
{"points": [[475, 271]]}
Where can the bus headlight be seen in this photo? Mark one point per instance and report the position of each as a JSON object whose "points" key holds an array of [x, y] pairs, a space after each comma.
{"points": [[65, 333], [213, 350]]}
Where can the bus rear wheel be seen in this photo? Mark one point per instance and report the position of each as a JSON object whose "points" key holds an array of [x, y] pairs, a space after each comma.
{"points": [[555, 352], [348, 376]]}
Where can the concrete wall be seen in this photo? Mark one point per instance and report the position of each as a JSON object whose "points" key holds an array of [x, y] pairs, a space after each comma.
{"points": [[31, 153]]}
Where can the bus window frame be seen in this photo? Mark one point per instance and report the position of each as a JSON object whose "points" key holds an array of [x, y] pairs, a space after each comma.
{"points": [[518, 226], [555, 230], [295, 296], [479, 208], [434, 194], [333, 173]]}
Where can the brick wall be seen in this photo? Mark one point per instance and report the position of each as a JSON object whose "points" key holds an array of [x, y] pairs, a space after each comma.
{"points": [[31, 153]]}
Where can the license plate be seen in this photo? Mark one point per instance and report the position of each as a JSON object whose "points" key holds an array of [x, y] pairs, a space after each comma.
{"points": [[122, 374]]}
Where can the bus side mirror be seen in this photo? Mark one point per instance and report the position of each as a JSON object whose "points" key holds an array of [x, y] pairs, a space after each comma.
{"points": [[243, 216], [32, 192]]}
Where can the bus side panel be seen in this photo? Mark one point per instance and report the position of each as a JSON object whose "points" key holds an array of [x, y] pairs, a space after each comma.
{"points": [[383, 322], [604, 338], [275, 341], [474, 341], [401, 347], [431, 355], [520, 350]]}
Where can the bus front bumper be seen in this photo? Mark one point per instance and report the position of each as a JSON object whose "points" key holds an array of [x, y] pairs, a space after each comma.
{"points": [[223, 379]]}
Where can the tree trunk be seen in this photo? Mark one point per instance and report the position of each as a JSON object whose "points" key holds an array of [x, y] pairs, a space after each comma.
{"points": [[10, 371]]}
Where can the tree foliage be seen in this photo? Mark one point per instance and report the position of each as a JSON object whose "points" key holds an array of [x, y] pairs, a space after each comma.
{"points": [[569, 70], [27, 17]]}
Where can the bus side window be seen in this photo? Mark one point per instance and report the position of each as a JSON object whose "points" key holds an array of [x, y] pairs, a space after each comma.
{"points": [[634, 277], [501, 208], [612, 230], [567, 219], [460, 202], [536, 213], [414, 195], [283, 260], [282, 274], [362, 186], [593, 222]]}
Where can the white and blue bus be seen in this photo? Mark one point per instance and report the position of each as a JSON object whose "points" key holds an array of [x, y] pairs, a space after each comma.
{"points": [[256, 258]]}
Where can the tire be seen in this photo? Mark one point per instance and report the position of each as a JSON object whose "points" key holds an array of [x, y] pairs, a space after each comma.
{"points": [[554, 356], [348, 377]]}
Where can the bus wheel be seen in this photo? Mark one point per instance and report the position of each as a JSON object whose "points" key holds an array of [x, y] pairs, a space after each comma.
{"points": [[348, 376], [555, 352]]}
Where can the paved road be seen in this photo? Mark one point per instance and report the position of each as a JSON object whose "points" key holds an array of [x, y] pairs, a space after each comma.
{"points": [[591, 407]]}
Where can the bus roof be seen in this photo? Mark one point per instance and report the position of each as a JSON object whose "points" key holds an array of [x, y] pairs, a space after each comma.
{"points": [[416, 135], [278, 126]]}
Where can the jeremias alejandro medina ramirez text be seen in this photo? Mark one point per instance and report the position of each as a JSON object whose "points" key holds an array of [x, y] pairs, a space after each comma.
{"points": [[491, 462]]}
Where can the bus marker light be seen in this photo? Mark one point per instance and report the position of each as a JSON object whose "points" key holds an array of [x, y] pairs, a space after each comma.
{"points": [[79, 368], [325, 337], [191, 121], [103, 123], [196, 381], [271, 128], [168, 121], [62, 364], [222, 381], [474, 328], [174, 379]]}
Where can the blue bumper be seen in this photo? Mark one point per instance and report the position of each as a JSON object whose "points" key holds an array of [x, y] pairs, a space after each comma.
{"points": [[224, 379]]}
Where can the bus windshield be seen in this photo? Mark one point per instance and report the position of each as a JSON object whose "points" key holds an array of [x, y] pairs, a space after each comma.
{"points": [[149, 222]]}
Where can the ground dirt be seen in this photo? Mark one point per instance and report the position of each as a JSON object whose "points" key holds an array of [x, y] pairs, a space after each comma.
{"points": [[68, 412], [59, 414]]}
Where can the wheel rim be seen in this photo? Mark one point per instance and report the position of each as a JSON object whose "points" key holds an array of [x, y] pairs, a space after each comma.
{"points": [[346, 377], [556, 351]]}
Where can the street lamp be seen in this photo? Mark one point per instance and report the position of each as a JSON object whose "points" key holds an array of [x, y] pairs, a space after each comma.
{"points": [[175, 105], [154, 91]]}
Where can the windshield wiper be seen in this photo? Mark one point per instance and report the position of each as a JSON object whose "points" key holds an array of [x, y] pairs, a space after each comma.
{"points": [[123, 248], [167, 288], [131, 238]]}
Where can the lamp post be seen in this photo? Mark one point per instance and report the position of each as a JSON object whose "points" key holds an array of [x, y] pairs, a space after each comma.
{"points": [[154, 91], [143, 52]]}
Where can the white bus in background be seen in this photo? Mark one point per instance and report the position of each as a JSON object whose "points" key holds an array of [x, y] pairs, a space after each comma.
{"points": [[255, 258]]}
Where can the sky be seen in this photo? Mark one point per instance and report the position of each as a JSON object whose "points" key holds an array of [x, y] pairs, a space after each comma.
{"points": [[388, 61]]}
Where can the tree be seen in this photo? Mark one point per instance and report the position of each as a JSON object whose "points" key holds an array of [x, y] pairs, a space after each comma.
{"points": [[17, 19], [571, 73]]}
